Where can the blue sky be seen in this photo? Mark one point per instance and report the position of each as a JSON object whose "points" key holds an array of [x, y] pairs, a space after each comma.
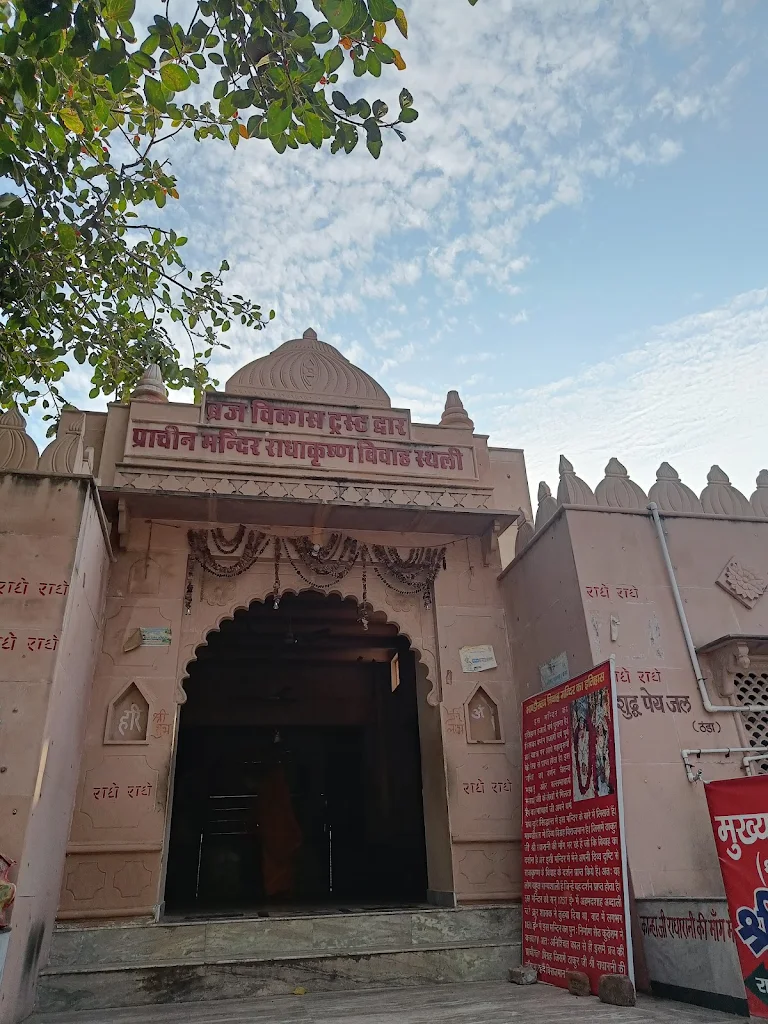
{"points": [[574, 234]]}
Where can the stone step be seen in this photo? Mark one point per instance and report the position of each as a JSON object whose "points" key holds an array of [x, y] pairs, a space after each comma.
{"points": [[218, 941], [126, 965]]}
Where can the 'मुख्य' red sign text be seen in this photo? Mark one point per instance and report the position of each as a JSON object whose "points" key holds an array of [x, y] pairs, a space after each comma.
{"points": [[575, 914], [739, 812]]}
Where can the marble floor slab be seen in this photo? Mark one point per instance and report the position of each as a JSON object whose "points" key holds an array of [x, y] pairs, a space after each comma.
{"points": [[483, 1003]]}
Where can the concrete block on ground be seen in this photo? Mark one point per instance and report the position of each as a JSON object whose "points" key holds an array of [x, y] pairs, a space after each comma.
{"points": [[524, 975], [616, 989], [578, 983]]}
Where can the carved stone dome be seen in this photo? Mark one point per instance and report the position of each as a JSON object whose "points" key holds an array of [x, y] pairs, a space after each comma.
{"points": [[308, 370]]}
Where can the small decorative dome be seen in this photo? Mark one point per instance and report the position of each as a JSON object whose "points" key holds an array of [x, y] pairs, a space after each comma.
{"points": [[525, 532], [547, 506], [150, 387], [308, 370], [65, 455], [572, 490], [721, 498], [454, 414], [616, 490], [671, 494], [17, 449], [759, 500]]}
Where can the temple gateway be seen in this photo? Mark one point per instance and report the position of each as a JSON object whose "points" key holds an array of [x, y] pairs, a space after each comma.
{"points": [[261, 668]]}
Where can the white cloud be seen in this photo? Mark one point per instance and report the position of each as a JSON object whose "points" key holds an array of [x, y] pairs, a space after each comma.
{"points": [[690, 394]]}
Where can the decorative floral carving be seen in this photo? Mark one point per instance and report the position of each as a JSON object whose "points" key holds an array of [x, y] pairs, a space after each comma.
{"points": [[17, 449], [721, 498], [743, 584], [671, 494], [218, 593], [759, 500], [547, 506], [616, 490], [572, 490]]}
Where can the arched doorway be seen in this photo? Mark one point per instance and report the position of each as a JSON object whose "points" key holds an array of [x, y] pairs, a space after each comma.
{"points": [[298, 771]]}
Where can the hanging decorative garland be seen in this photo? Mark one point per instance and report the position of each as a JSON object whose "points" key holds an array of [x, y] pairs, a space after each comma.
{"points": [[323, 567], [198, 544], [228, 546]]}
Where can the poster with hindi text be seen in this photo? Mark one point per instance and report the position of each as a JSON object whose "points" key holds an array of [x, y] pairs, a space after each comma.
{"points": [[575, 898], [739, 812]]}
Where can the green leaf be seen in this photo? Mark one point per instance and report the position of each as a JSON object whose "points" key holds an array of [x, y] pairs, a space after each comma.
{"points": [[198, 60], [159, 198], [67, 236], [373, 64], [56, 134], [340, 101], [408, 114], [279, 142], [314, 129], [322, 32], [382, 10], [220, 90], [71, 120], [338, 12], [374, 147], [155, 94], [120, 76], [11, 206], [142, 60], [333, 59], [406, 100], [379, 109], [120, 10], [174, 77], [278, 118], [103, 60], [384, 53], [402, 22], [27, 79]]}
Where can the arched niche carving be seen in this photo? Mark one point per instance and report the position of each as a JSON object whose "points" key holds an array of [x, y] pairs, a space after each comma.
{"points": [[144, 577], [128, 717], [416, 623], [482, 717]]}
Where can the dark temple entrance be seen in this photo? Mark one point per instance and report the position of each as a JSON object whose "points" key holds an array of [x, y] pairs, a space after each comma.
{"points": [[298, 773]]}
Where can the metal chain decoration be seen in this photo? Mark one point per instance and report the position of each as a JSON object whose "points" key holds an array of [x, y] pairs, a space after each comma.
{"points": [[254, 546], [323, 567]]}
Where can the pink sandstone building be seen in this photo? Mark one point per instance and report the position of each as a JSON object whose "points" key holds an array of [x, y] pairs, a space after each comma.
{"points": [[261, 666]]}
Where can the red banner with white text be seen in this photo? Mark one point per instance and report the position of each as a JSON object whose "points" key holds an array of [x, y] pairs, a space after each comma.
{"points": [[575, 901], [739, 812]]}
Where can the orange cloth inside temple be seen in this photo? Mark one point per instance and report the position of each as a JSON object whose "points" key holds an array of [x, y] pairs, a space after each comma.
{"points": [[281, 835]]}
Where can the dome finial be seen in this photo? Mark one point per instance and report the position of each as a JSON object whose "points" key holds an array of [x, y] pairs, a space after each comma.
{"points": [[150, 387], [310, 334], [454, 414]]}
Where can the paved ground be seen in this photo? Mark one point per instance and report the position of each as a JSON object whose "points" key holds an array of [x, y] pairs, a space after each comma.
{"points": [[446, 1004]]}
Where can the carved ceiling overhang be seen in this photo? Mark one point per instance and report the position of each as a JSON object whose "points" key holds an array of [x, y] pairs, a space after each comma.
{"points": [[292, 502]]}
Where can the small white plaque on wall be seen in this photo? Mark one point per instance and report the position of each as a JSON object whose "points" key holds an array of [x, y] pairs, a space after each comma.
{"points": [[555, 671], [477, 659]]}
